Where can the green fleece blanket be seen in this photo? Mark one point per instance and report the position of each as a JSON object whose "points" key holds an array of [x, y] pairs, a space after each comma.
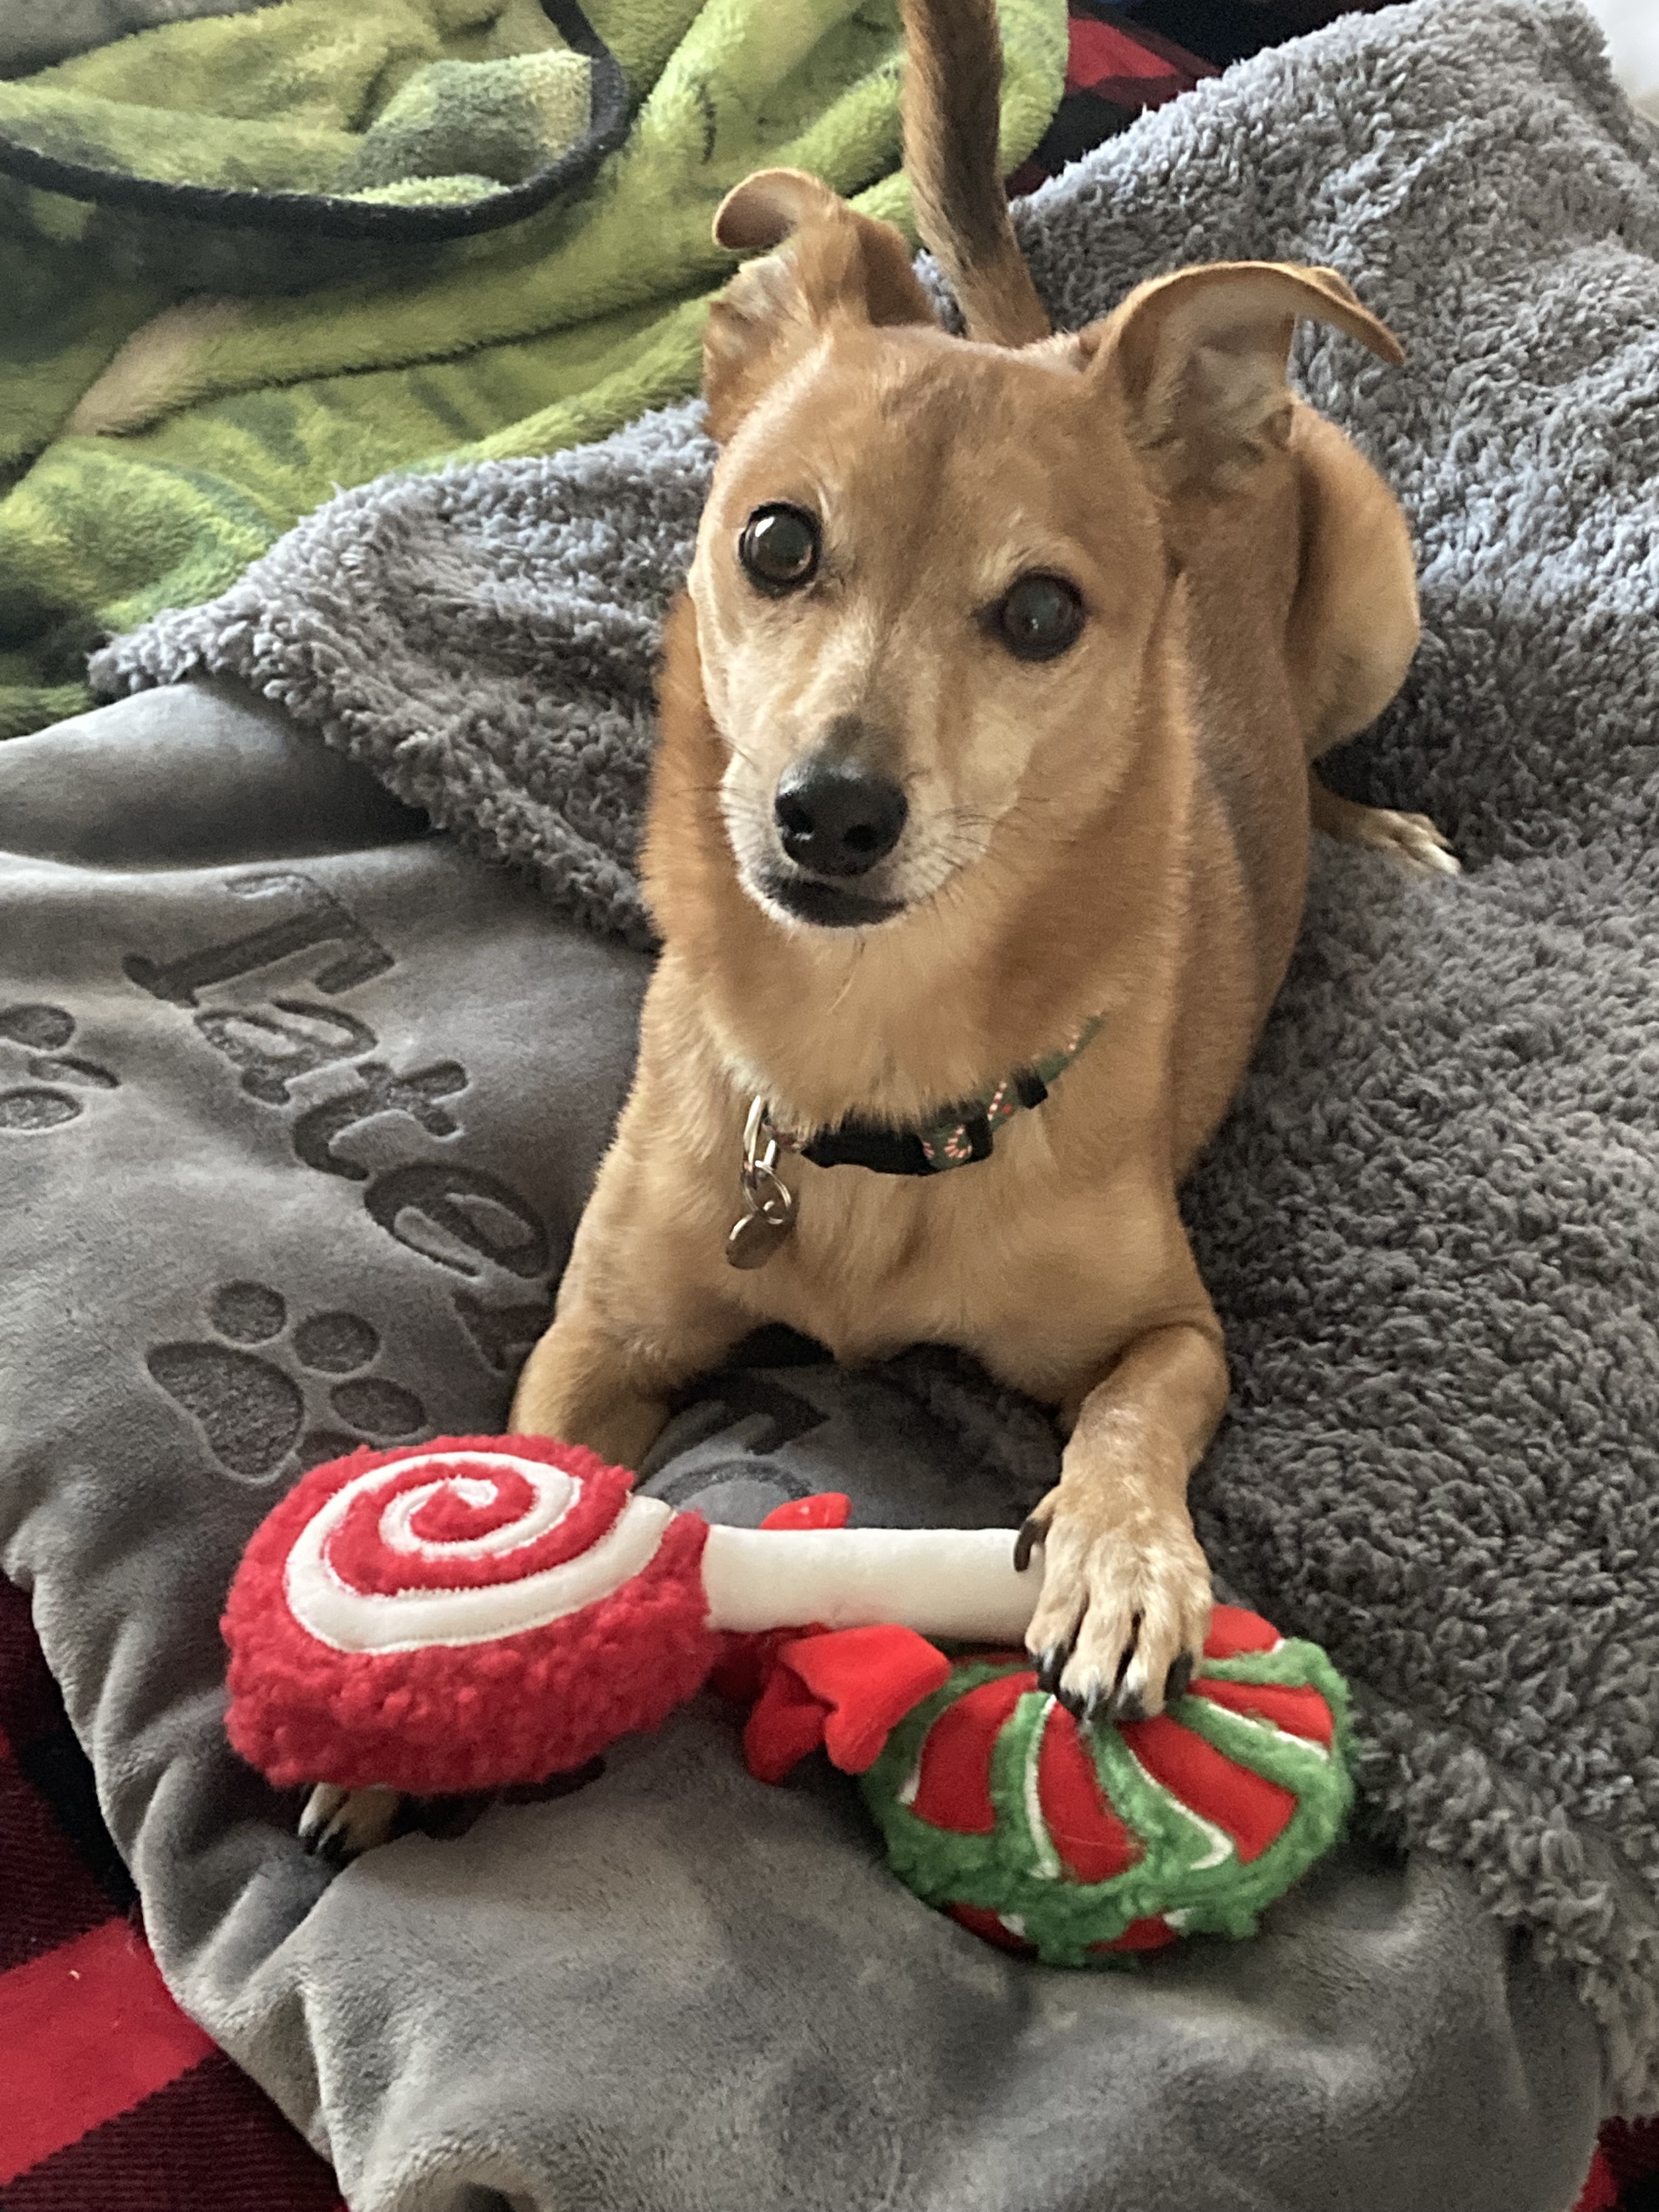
{"points": [[167, 413]]}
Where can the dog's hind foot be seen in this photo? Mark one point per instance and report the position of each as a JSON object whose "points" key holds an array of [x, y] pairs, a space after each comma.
{"points": [[1412, 839]]}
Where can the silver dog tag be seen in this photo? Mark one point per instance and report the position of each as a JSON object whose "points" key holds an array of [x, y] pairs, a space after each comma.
{"points": [[755, 1238], [768, 1214]]}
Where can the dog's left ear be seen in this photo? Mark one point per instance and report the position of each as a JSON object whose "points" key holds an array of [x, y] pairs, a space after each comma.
{"points": [[834, 263], [1198, 361]]}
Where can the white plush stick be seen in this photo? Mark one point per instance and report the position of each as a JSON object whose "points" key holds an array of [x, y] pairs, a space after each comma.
{"points": [[954, 1583]]}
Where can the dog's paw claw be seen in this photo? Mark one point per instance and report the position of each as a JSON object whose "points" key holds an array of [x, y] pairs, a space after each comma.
{"points": [[1032, 1531], [337, 1826]]}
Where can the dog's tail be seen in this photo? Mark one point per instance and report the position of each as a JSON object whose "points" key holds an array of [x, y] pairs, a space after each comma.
{"points": [[952, 103]]}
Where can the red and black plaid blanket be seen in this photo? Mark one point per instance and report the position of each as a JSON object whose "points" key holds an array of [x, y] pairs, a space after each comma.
{"points": [[111, 2100]]}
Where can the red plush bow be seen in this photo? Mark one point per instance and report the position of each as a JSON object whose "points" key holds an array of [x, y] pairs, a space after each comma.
{"points": [[845, 1688]]}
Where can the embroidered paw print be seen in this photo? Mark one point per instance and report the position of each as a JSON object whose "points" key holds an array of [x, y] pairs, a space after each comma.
{"points": [[43, 1031], [255, 1407]]}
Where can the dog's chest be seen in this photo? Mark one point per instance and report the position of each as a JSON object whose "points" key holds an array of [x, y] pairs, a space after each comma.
{"points": [[995, 1259]]}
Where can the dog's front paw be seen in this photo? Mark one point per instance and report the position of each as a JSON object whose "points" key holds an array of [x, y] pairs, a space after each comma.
{"points": [[341, 1824], [1124, 1610]]}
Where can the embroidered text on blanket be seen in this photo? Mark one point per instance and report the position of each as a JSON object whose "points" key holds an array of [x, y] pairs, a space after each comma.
{"points": [[464, 1219]]}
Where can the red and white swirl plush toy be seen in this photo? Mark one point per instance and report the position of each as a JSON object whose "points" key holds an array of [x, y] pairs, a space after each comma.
{"points": [[484, 1611], [487, 1611]]}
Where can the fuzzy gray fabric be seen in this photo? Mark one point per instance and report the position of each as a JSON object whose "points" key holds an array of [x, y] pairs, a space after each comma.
{"points": [[1432, 1224], [486, 640]]}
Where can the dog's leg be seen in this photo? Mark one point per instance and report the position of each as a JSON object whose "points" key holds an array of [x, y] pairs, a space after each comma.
{"points": [[1352, 632], [591, 1383], [1125, 1588], [1412, 839]]}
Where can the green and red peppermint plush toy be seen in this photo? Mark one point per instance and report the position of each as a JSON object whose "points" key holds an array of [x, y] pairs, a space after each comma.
{"points": [[485, 1611], [1079, 1844]]}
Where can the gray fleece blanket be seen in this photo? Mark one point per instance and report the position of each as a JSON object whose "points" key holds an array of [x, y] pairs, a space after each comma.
{"points": [[291, 1072]]}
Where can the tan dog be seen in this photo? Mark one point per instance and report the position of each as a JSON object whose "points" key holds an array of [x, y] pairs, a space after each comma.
{"points": [[986, 717]]}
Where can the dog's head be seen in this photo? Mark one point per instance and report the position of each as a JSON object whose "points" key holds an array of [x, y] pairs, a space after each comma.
{"points": [[930, 572]]}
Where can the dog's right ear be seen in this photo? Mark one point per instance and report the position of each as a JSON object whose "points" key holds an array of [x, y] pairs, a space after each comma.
{"points": [[832, 264]]}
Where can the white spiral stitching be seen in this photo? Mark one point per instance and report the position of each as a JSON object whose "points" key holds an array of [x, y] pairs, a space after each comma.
{"points": [[348, 1619]]}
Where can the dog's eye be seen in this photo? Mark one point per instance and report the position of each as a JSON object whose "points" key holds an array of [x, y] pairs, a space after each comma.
{"points": [[779, 547], [1038, 618]]}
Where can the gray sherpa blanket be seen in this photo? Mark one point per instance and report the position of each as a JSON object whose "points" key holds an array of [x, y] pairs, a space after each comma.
{"points": [[309, 1106]]}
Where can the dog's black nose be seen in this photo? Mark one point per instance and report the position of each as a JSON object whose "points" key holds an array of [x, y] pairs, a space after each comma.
{"points": [[836, 817]]}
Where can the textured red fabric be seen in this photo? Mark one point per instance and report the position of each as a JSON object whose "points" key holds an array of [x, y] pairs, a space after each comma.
{"points": [[1115, 70], [267, 1554], [746, 1665], [953, 1782], [455, 1718], [1295, 1709], [1151, 1935], [1093, 1844], [1129, 68], [210, 2142], [846, 1689], [86, 2031], [1629, 2149], [1247, 1806], [867, 1680], [824, 1509], [1232, 1630], [980, 1920], [208, 2138], [446, 1520], [1600, 2192], [786, 1724]]}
